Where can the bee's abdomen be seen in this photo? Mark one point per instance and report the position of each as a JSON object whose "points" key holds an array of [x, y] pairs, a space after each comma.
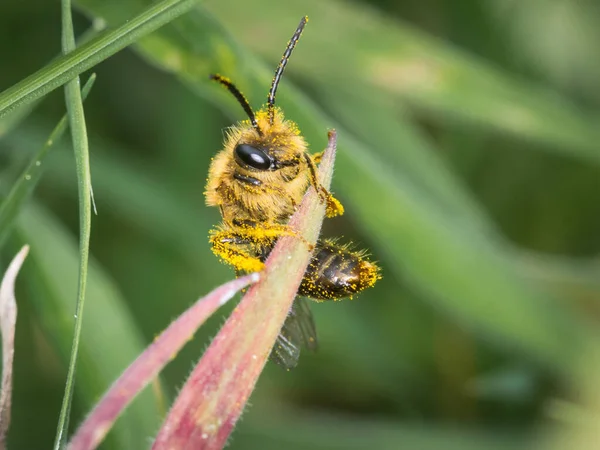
{"points": [[336, 272]]}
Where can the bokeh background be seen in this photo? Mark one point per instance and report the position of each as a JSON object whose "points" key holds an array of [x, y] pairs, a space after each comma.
{"points": [[468, 164]]}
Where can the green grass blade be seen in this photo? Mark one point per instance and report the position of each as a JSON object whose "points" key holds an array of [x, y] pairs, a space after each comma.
{"points": [[84, 182], [25, 185], [88, 55]]}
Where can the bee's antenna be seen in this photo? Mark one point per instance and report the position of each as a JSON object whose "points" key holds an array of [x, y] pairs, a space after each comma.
{"points": [[240, 98], [281, 68]]}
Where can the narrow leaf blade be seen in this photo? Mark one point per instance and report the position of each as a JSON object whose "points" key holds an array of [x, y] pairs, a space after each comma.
{"points": [[84, 183]]}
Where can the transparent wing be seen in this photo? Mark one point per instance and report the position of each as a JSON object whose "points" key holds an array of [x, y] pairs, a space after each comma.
{"points": [[286, 351], [298, 330], [306, 323]]}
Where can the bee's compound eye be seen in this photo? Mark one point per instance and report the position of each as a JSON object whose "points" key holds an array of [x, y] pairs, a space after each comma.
{"points": [[249, 156]]}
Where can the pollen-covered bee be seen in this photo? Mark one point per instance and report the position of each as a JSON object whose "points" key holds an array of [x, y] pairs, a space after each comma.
{"points": [[257, 181]]}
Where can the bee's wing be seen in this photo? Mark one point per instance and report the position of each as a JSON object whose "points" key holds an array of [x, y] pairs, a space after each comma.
{"points": [[286, 351], [298, 329], [306, 323]]}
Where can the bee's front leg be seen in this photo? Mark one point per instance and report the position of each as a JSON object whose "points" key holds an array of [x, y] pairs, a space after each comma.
{"points": [[316, 157], [269, 232], [333, 205]]}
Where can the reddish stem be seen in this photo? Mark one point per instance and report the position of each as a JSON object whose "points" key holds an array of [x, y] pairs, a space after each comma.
{"points": [[216, 392]]}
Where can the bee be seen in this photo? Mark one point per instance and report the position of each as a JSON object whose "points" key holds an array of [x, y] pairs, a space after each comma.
{"points": [[257, 181]]}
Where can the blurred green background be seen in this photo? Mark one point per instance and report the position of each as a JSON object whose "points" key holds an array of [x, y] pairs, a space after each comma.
{"points": [[468, 164]]}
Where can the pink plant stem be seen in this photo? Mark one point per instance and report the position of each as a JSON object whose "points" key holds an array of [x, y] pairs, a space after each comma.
{"points": [[216, 392], [149, 364]]}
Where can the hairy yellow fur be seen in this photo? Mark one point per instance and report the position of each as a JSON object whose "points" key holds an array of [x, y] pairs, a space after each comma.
{"points": [[269, 205]]}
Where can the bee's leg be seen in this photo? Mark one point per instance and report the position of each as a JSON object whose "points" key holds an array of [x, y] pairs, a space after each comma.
{"points": [[316, 157], [233, 249], [245, 247], [334, 207], [267, 232]]}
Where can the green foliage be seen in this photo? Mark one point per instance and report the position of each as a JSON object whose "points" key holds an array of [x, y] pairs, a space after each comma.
{"points": [[84, 188], [468, 165]]}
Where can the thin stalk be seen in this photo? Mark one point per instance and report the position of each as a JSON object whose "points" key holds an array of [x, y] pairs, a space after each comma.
{"points": [[84, 183]]}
